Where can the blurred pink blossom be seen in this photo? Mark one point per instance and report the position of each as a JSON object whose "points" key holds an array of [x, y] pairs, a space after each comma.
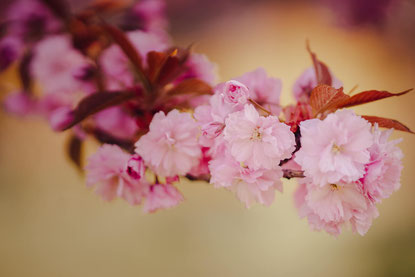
{"points": [[20, 104], [11, 49], [116, 65], [53, 65], [307, 82], [31, 19], [151, 15], [60, 117], [117, 122]]}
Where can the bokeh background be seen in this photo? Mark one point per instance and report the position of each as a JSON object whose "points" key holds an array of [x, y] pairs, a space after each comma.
{"points": [[52, 225]]}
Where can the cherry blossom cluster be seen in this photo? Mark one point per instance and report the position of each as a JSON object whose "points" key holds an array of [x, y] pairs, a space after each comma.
{"points": [[159, 116]]}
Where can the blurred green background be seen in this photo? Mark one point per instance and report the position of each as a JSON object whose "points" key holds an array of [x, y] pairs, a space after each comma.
{"points": [[52, 225]]}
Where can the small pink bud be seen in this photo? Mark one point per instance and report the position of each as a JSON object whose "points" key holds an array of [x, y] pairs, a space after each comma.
{"points": [[60, 118], [235, 92], [135, 167], [170, 180], [212, 130]]}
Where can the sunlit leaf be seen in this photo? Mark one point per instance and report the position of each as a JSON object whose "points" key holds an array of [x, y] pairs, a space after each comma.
{"points": [[387, 123], [369, 96], [322, 71], [325, 98]]}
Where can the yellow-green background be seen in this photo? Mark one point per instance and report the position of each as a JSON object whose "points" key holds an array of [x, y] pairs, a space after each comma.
{"points": [[52, 225]]}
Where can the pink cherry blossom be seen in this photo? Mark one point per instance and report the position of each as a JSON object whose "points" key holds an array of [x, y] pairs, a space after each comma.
{"points": [[161, 196], [107, 170], [335, 202], [171, 146], [20, 104], [54, 62], [249, 185], [117, 122], [116, 65], [307, 82], [31, 18], [333, 206], [315, 222], [383, 171], [336, 148], [151, 15], [263, 89], [258, 141], [11, 48]]}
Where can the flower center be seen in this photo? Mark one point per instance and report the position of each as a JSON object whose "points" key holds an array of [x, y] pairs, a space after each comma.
{"points": [[170, 141], [256, 135], [336, 149], [334, 187]]}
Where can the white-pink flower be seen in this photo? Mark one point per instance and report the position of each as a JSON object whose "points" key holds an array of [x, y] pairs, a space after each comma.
{"points": [[161, 196], [54, 62], [258, 141], [307, 82], [335, 149], [107, 170], [263, 89], [332, 206], [335, 202], [171, 146], [249, 185], [383, 171]]}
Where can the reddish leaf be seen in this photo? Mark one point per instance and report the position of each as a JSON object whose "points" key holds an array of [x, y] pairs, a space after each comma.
{"points": [[155, 61], [326, 98], [104, 137], [74, 150], [387, 123], [191, 86], [59, 7], [322, 71], [173, 67], [97, 102], [369, 96], [130, 51]]}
